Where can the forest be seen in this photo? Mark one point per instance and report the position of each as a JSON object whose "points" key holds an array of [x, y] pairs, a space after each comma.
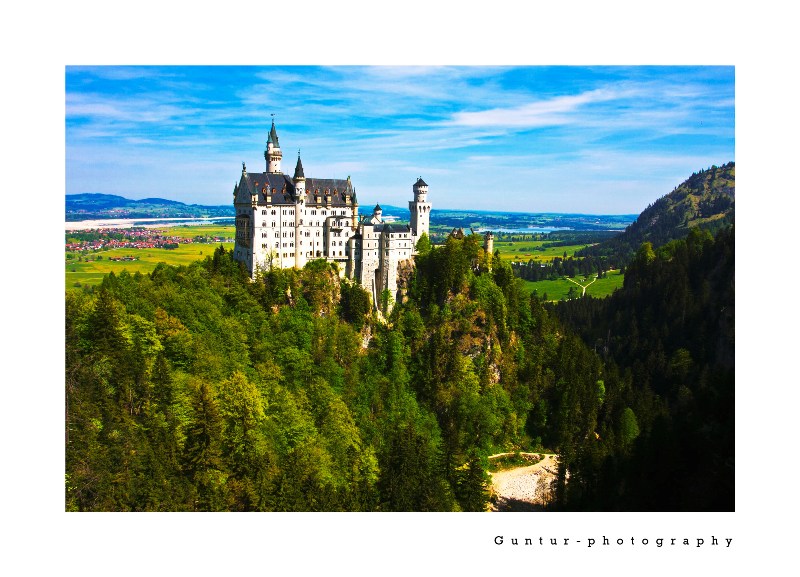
{"points": [[193, 388]]}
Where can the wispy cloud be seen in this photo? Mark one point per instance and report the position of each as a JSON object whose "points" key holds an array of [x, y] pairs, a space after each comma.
{"points": [[550, 112]]}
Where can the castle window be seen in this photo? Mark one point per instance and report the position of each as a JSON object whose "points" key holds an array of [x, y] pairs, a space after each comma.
{"points": [[273, 212]]}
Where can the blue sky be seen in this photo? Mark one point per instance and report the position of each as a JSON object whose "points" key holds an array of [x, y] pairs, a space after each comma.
{"points": [[598, 140]]}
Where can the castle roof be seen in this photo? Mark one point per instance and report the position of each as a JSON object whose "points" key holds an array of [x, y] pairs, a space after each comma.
{"points": [[391, 228], [298, 170], [281, 188], [420, 182]]}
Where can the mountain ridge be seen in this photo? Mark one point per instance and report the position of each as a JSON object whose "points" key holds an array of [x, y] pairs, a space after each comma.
{"points": [[89, 205], [704, 200]]}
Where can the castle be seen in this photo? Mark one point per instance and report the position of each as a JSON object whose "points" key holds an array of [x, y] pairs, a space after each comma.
{"points": [[285, 222]]}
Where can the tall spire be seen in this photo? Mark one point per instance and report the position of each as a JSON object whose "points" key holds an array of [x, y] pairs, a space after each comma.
{"points": [[273, 152], [273, 135], [298, 170]]}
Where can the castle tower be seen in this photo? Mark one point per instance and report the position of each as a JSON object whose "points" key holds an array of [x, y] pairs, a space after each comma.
{"points": [[420, 209], [488, 247], [273, 152], [300, 196]]}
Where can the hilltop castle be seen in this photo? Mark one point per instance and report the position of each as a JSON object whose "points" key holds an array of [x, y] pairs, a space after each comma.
{"points": [[285, 222]]}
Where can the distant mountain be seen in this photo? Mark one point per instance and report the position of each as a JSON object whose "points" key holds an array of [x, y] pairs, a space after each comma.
{"points": [[704, 200], [93, 206]]}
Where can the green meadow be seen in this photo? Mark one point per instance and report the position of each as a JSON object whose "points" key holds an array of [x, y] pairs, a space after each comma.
{"points": [[558, 289], [94, 266], [191, 231], [526, 250]]}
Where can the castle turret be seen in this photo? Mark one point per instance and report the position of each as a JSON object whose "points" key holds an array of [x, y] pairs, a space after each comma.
{"points": [[300, 196], [273, 152], [488, 247], [299, 176], [420, 209], [355, 207]]}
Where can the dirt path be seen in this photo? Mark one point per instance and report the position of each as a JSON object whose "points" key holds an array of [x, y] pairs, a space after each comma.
{"points": [[524, 488], [584, 287]]}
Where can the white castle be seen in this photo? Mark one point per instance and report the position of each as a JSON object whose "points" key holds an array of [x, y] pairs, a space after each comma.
{"points": [[285, 222]]}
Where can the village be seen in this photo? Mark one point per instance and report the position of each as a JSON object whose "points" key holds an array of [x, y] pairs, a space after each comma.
{"points": [[92, 240]]}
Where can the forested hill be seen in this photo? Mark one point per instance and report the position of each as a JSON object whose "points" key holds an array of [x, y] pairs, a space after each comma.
{"points": [[705, 200], [195, 388], [670, 329], [93, 206]]}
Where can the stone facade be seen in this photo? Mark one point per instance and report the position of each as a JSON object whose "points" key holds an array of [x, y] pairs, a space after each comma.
{"points": [[285, 222]]}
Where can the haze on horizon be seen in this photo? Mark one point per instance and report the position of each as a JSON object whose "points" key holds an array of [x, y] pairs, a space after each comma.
{"points": [[570, 139]]}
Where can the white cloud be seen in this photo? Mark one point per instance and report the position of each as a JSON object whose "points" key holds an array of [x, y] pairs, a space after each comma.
{"points": [[550, 112]]}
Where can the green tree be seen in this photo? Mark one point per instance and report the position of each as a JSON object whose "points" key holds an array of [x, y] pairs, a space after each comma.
{"points": [[354, 304], [424, 244], [202, 461], [628, 426]]}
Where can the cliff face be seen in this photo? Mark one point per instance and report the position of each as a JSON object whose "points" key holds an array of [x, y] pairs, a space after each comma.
{"points": [[405, 270]]}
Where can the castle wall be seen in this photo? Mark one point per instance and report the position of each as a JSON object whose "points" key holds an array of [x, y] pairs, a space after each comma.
{"points": [[293, 234], [288, 234]]}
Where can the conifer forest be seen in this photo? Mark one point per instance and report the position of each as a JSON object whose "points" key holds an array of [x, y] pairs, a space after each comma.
{"points": [[195, 388]]}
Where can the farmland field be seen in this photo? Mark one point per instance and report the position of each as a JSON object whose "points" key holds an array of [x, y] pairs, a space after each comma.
{"points": [[523, 251], [558, 289], [185, 231], [92, 272]]}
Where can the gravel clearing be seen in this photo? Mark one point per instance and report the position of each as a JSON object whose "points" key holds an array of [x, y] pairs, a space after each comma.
{"points": [[524, 488]]}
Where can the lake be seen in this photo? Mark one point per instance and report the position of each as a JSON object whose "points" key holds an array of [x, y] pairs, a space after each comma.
{"points": [[145, 222], [536, 229]]}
